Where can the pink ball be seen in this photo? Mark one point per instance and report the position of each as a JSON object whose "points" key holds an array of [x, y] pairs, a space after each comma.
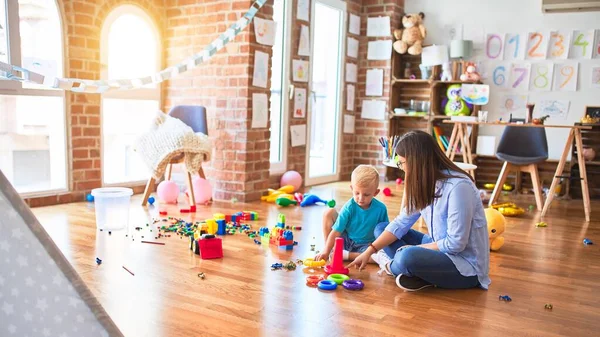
{"points": [[291, 178], [387, 192], [168, 191], [399, 181], [202, 190]]}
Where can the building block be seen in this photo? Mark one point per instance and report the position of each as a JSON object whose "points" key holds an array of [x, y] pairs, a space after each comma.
{"points": [[212, 226], [211, 248], [219, 216], [222, 227]]}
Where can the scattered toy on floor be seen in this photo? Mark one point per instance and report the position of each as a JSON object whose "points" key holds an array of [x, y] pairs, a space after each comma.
{"points": [[398, 181], [129, 271], [504, 298], [387, 192], [587, 241], [98, 261], [151, 200], [276, 266], [89, 198], [353, 284], [202, 276], [548, 306], [541, 224], [327, 285]]}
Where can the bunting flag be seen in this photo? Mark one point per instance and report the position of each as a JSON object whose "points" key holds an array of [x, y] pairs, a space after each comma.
{"points": [[15, 73]]}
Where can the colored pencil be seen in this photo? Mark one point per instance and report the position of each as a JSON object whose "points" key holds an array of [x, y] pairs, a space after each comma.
{"points": [[154, 243], [128, 271]]}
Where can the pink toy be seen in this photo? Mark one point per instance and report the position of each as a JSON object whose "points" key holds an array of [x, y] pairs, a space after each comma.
{"points": [[291, 178], [387, 192], [298, 197], [398, 181], [202, 190], [337, 264], [168, 191]]}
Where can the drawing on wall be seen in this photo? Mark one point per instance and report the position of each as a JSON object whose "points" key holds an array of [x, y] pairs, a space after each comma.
{"points": [[511, 103], [557, 109], [351, 71], [304, 45], [350, 97], [302, 10], [300, 70], [261, 69], [298, 135], [379, 26], [260, 110], [265, 31], [352, 50], [354, 26], [348, 124], [374, 85], [596, 77], [299, 103]]}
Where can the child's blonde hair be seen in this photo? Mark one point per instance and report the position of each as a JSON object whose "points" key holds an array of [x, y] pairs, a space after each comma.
{"points": [[365, 176]]}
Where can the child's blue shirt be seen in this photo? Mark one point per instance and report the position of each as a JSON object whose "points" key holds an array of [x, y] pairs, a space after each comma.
{"points": [[358, 223]]}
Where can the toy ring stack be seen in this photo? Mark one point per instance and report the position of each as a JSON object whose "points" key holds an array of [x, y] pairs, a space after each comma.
{"points": [[313, 280], [353, 284], [338, 278], [311, 263], [327, 285]]}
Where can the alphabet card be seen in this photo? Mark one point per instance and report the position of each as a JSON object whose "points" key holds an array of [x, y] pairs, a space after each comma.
{"points": [[582, 44], [537, 46], [565, 76]]}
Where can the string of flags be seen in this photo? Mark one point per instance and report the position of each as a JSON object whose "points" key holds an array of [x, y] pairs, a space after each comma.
{"points": [[16, 73]]}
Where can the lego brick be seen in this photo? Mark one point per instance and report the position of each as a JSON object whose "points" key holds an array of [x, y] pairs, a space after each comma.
{"points": [[211, 248], [219, 216]]}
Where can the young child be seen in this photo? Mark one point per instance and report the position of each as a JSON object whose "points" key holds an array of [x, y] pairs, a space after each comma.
{"points": [[356, 221]]}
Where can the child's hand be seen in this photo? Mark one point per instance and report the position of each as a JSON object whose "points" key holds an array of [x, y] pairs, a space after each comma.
{"points": [[320, 256], [361, 261]]}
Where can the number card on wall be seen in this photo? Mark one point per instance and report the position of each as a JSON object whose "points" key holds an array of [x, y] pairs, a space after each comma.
{"points": [[565, 76], [519, 76], [498, 74], [541, 77], [560, 42], [494, 44], [514, 47], [537, 46], [581, 47]]}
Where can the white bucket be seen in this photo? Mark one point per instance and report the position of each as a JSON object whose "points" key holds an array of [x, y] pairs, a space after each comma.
{"points": [[112, 207]]}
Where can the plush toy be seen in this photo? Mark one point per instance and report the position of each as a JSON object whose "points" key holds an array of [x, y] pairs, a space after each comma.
{"points": [[496, 224], [446, 72], [411, 37], [470, 74], [455, 106]]}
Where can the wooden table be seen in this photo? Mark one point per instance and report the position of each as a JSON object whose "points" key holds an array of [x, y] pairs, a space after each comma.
{"points": [[460, 135]]}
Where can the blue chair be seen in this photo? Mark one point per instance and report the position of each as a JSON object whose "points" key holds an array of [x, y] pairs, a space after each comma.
{"points": [[193, 116], [521, 149]]}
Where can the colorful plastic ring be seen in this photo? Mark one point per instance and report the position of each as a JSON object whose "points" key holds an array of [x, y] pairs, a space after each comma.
{"points": [[338, 278], [313, 280], [327, 285], [311, 263], [353, 284]]}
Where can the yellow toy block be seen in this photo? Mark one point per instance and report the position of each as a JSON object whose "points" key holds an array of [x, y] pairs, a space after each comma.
{"points": [[219, 216], [211, 226]]}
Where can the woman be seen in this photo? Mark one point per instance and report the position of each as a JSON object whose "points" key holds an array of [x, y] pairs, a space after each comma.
{"points": [[455, 254]]}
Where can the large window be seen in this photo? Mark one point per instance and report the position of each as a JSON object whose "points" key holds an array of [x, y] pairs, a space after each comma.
{"points": [[130, 49], [32, 117], [279, 86]]}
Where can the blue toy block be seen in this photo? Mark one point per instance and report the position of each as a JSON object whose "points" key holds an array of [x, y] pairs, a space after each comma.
{"points": [[222, 227], [263, 230], [288, 235]]}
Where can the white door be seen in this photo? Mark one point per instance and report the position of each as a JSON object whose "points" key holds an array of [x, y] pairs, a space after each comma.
{"points": [[324, 118]]}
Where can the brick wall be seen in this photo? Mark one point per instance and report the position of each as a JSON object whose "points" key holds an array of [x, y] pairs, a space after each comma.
{"points": [[240, 164], [82, 24], [367, 149]]}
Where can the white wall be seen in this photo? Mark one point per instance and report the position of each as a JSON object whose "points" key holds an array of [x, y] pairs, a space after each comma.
{"points": [[513, 16]]}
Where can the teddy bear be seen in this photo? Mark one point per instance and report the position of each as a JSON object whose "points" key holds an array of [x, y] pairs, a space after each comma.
{"points": [[470, 74], [411, 37], [496, 224]]}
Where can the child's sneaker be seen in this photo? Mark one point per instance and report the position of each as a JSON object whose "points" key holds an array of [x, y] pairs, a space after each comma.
{"points": [[383, 260]]}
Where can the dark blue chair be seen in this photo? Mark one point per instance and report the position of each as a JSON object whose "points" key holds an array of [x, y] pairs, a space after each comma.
{"points": [[193, 116], [521, 149]]}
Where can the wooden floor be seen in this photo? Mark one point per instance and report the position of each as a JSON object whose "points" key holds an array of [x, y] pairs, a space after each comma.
{"points": [[241, 296]]}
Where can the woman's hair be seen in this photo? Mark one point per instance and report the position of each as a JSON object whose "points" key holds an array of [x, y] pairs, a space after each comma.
{"points": [[425, 165]]}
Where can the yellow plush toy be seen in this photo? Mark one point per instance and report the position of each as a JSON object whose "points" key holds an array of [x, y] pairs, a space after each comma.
{"points": [[411, 37], [496, 224]]}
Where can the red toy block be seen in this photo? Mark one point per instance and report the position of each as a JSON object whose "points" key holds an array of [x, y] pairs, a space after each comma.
{"points": [[210, 248], [193, 208], [228, 218], [162, 212], [183, 210]]}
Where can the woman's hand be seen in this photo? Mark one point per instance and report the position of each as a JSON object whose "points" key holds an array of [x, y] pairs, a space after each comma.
{"points": [[361, 261]]}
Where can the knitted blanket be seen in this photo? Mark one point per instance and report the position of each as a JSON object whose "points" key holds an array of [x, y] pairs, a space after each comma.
{"points": [[168, 139]]}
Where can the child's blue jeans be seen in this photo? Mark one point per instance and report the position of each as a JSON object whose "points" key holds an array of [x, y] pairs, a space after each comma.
{"points": [[430, 265]]}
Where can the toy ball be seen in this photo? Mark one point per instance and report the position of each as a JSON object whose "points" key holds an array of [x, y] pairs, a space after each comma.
{"points": [[202, 190], [387, 192], [168, 191], [291, 178], [151, 200], [89, 197], [331, 203], [398, 181]]}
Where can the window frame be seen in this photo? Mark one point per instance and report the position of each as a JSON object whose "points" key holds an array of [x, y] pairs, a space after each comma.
{"points": [[150, 94], [15, 88], [281, 166]]}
